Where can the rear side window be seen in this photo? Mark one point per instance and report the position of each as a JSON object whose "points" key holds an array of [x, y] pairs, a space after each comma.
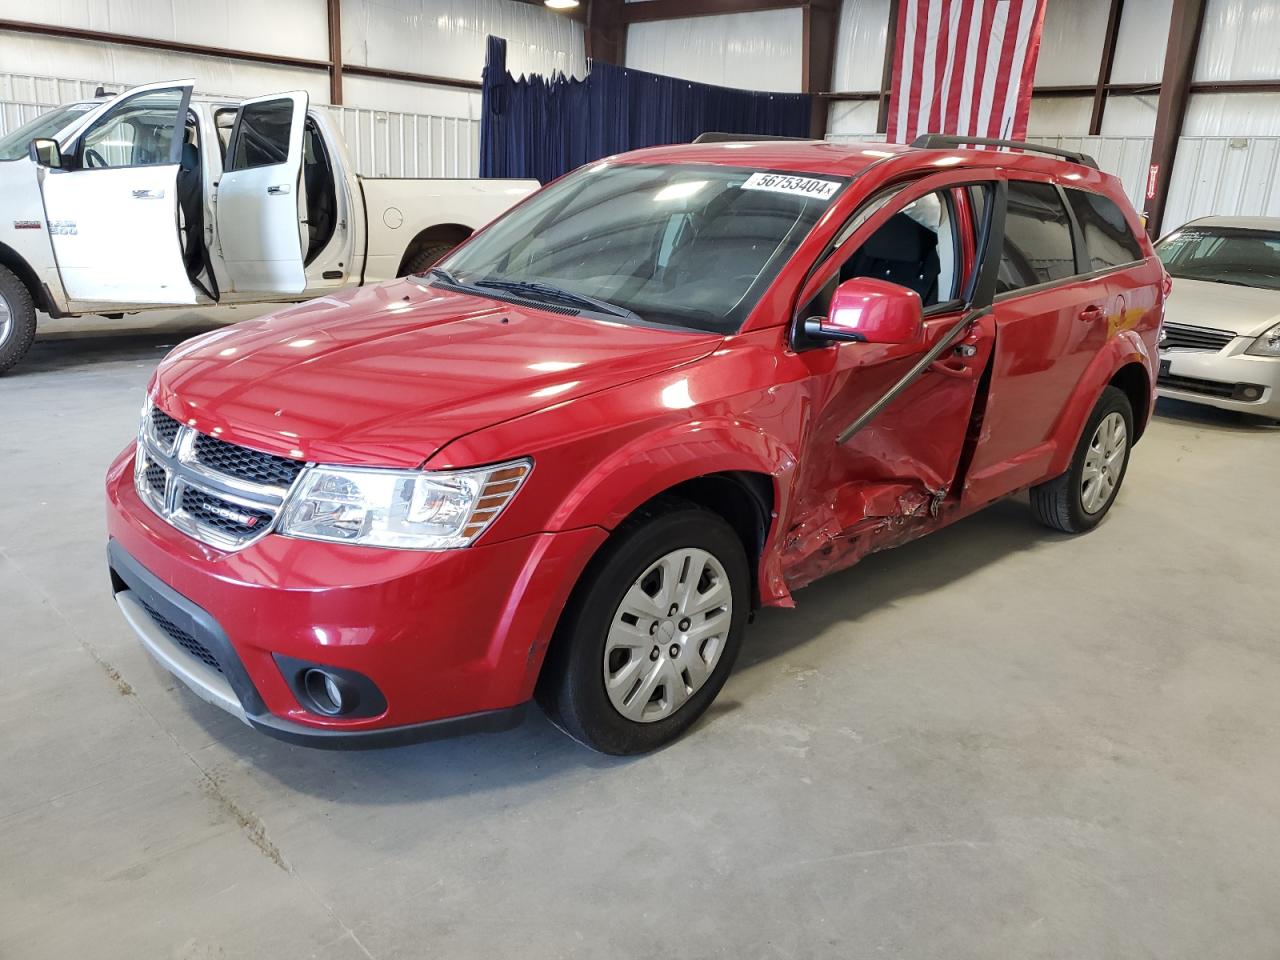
{"points": [[261, 136], [1107, 236], [1037, 238]]}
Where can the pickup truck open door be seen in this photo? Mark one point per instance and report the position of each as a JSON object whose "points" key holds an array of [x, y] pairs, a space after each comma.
{"points": [[112, 205], [260, 202]]}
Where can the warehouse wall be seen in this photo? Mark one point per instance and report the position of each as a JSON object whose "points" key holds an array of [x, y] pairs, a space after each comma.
{"points": [[438, 37]]}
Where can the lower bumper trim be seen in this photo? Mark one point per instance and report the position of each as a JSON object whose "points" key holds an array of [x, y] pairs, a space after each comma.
{"points": [[489, 721]]}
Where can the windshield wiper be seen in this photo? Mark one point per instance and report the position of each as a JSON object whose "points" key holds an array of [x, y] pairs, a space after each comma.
{"points": [[547, 291], [444, 275]]}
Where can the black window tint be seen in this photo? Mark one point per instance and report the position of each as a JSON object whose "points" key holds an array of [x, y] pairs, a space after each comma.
{"points": [[1037, 238], [261, 136], [1107, 236]]}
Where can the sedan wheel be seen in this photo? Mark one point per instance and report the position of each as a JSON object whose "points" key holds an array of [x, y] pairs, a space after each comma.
{"points": [[1104, 462], [667, 635]]}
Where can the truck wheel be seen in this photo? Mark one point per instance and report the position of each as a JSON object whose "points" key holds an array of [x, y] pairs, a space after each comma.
{"points": [[17, 319], [421, 260], [651, 632], [1079, 499]]}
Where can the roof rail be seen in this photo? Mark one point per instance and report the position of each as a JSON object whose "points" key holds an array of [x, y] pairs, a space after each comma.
{"points": [[736, 137], [938, 141]]}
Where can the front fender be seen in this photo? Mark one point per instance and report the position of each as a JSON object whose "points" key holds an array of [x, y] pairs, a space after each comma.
{"points": [[1126, 347]]}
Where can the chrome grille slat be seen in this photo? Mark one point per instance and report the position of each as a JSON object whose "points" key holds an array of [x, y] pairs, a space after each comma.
{"points": [[1185, 337], [177, 474]]}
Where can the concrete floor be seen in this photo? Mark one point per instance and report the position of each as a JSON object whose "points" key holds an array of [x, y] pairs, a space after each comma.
{"points": [[996, 742]]}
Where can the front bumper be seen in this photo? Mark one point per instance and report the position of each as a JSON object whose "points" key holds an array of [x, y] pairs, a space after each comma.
{"points": [[452, 640], [1227, 379]]}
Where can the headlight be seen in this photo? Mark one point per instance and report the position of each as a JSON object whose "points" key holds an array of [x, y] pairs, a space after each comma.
{"points": [[1267, 345], [411, 509]]}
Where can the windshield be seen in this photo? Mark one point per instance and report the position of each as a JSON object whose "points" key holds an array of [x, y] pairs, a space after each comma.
{"points": [[679, 244], [13, 146], [1235, 255]]}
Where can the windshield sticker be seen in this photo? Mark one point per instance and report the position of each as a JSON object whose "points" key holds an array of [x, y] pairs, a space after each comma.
{"points": [[800, 186]]}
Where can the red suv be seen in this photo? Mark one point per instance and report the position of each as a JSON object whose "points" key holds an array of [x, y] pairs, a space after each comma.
{"points": [[671, 387]]}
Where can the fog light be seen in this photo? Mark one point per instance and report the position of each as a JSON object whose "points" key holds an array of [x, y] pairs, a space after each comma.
{"points": [[1252, 393], [326, 693]]}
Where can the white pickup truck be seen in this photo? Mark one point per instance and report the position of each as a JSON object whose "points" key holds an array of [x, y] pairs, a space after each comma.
{"points": [[155, 199]]}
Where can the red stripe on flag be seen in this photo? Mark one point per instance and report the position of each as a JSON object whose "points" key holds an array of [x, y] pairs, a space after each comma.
{"points": [[973, 123], [1023, 106], [1005, 68], [937, 123], [958, 68], [917, 74], [895, 88]]}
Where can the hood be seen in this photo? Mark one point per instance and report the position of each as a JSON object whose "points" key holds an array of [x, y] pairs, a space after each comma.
{"points": [[388, 375], [1246, 311]]}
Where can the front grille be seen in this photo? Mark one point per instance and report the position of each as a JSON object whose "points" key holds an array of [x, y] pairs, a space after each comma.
{"points": [[183, 639], [1186, 337], [164, 427], [222, 494], [230, 518], [245, 464]]}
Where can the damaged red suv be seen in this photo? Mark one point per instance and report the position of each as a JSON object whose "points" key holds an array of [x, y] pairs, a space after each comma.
{"points": [[568, 463]]}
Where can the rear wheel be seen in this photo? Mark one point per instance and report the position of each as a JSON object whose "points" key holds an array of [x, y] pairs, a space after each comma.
{"points": [[651, 633], [423, 259], [17, 319], [1079, 499]]}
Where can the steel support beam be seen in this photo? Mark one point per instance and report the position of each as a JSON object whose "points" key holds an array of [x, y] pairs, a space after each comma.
{"points": [[818, 59], [606, 31], [1104, 66], [335, 52], [1175, 88], [886, 72]]}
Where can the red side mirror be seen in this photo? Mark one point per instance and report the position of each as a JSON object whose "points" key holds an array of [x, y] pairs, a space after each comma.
{"points": [[866, 310]]}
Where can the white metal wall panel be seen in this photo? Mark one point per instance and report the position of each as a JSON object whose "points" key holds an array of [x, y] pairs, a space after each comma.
{"points": [[1232, 115], [446, 38], [853, 119], [1226, 176], [753, 51], [1071, 44], [1140, 42], [411, 97], [297, 28], [1125, 158], [1129, 116], [860, 45], [1240, 41], [1050, 116]]}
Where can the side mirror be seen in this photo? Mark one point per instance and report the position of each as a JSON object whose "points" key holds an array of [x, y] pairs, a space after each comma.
{"points": [[46, 153], [866, 310]]}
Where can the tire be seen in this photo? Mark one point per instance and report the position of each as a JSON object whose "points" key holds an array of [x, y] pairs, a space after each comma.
{"points": [[421, 260], [593, 635], [17, 319], [1066, 503]]}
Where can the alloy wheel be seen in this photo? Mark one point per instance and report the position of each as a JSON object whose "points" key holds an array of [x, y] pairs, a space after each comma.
{"points": [[1103, 463], [6, 320], [667, 634]]}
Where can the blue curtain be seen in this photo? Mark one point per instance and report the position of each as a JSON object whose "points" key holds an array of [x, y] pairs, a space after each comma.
{"points": [[540, 128]]}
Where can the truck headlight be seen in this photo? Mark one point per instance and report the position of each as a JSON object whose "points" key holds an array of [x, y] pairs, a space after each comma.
{"points": [[1267, 345], [410, 509]]}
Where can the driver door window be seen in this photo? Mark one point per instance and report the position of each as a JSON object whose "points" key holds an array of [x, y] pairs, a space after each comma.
{"points": [[143, 132]]}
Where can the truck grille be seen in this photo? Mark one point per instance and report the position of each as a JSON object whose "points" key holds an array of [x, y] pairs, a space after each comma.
{"points": [[1186, 337], [223, 494]]}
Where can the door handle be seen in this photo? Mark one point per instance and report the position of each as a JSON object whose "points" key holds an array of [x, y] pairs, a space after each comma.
{"points": [[148, 194], [951, 368], [279, 190], [1092, 313]]}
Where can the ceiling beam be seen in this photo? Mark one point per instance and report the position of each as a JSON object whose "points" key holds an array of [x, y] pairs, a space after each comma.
{"points": [[680, 9]]}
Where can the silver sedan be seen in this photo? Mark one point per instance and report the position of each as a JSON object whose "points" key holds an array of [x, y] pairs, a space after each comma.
{"points": [[1221, 339]]}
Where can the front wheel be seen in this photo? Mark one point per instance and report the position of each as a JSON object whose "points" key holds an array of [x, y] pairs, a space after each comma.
{"points": [[1079, 499], [17, 320], [651, 633]]}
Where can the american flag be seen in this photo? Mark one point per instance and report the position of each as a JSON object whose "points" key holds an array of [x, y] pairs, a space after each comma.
{"points": [[964, 67]]}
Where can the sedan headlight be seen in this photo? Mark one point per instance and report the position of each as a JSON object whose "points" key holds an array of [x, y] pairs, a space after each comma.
{"points": [[1267, 345], [410, 509]]}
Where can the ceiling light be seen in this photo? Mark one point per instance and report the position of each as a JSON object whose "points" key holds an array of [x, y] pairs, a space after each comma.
{"points": [[561, 4]]}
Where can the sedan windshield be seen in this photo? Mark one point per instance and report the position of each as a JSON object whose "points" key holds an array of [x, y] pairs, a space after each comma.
{"points": [[1235, 255], [13, 146], [677, 244]]}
